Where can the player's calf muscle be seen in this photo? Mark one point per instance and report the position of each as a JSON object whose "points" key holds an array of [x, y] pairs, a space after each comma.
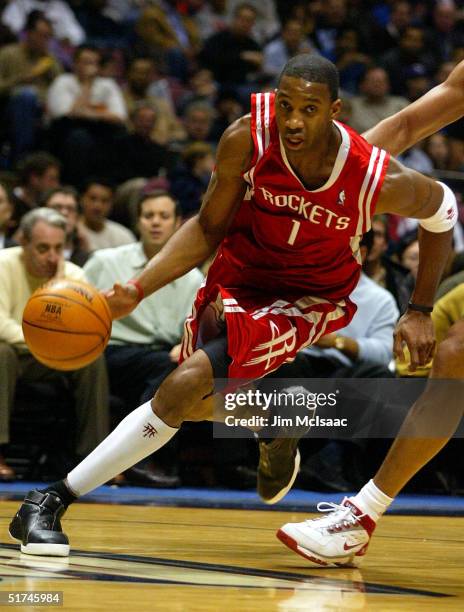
{"points": [[183, 389]]}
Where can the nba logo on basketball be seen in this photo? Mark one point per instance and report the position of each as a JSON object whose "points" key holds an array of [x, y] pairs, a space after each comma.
{"points": [[52, 311]]}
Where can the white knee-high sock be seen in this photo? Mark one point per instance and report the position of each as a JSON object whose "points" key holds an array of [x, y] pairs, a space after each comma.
{"points": [[137, 436]]}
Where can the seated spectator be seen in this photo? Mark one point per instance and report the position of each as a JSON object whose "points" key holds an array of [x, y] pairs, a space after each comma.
{"points": [[233, 56], [437, 148], [198, 122], [386, 37], [141, 77], [290, 42], [38, 173], [331, 20], [163, 29], [416, 159], [407, 251], [228, 108], [374, 102], [201, 88], [65, 200], [99, 231], [87, 111], [26, 71], [447, 311], [417, 82], [447, 32], [189, 181], [412, 49], [383, 270], [136, 154], [363, 349], [450, 283], [211, 18], [57, 12], [23, 269], [145, 345], [266, 24], [6, 210], [351, 62], [101, 29]]}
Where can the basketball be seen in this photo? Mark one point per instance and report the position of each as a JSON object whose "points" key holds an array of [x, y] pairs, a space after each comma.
{"points": [[66, 324]]}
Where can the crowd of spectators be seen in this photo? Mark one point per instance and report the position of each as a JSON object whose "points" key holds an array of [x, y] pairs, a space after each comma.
{"points": [[110, 113]]}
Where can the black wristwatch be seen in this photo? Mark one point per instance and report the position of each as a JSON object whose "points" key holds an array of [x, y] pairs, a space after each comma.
{"points": [[420, 308]]}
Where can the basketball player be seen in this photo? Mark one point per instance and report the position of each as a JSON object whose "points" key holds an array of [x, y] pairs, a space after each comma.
{"points": [[343, 536], [292, 194]]}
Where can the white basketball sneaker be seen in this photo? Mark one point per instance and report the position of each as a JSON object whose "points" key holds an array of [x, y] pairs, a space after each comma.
{"points": [[339, 539]]}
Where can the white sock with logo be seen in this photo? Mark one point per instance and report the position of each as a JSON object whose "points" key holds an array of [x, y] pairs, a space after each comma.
{"points": [[138, 435], [371, 500]]}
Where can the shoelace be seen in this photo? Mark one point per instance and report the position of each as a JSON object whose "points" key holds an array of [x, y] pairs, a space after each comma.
{"points": [[343, 515]]}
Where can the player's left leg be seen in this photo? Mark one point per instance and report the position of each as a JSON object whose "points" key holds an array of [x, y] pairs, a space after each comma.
{"points": [[37, 524], [342, 537], [279, 457]]}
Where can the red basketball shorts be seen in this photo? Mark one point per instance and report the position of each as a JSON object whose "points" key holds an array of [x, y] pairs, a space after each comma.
{"points": [[263, 331]]}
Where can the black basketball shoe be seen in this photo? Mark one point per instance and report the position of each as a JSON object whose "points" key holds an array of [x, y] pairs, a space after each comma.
{"points": [[279, 458], [279, 463], [37, 525]]}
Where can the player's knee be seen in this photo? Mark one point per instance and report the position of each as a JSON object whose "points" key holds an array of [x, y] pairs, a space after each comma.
{"points": [[183, 388], [449, 358]]}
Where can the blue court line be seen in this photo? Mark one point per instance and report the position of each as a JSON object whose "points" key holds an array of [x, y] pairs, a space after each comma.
{"points": [[295, 501]]}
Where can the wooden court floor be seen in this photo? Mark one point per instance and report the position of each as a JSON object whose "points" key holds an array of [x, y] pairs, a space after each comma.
{"points": [[160, 558]]}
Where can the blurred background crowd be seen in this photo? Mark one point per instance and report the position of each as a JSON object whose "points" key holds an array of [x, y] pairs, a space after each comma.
{"points": [[110, 112]]}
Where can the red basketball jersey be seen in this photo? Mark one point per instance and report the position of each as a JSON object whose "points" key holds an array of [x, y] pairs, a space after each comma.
{"points": [[286, 238]]}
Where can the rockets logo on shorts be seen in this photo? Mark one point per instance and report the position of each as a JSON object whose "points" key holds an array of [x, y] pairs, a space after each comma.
{"points": [[278, 346]]}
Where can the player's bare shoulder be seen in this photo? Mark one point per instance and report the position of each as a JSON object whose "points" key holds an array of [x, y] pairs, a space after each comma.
{"points": [[407, 193], [235, 149]]}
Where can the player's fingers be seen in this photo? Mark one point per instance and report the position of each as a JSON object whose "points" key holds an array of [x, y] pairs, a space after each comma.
{"points": [[398, 347], [415, 358], [431, 351]]}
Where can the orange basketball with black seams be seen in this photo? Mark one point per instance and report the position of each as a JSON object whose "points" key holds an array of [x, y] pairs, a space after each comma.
{"points": [[66, 324]]}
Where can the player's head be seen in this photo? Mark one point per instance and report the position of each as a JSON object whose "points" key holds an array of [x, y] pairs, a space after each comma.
{"points": [[306, 101], [43, 236], [157, 219]]}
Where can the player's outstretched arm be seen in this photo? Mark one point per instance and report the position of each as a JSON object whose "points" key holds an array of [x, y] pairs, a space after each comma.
{"points": [[200, 236], [434, 110], [410, 194]]}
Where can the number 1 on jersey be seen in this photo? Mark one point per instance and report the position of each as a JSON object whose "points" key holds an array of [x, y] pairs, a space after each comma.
{"points": [[294, 232]]}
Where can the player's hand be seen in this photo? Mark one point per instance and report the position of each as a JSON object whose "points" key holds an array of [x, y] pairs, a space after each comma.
{"points": [[122, 299], [414, 329]]}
